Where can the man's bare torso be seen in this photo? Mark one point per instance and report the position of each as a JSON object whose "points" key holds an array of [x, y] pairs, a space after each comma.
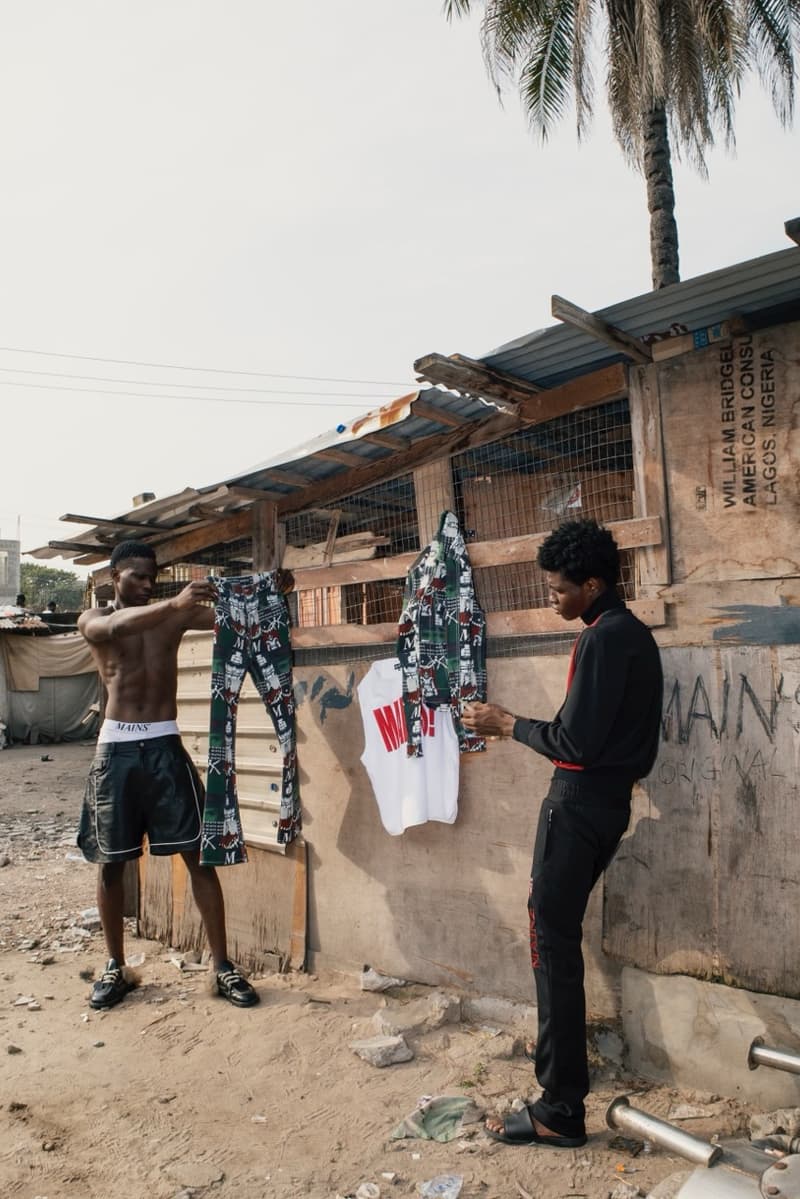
{"points": [[140, 673], [135, 641]]}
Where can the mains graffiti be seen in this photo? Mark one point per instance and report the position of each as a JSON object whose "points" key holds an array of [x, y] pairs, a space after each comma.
{"points": [[738, 707], [710, 851]]}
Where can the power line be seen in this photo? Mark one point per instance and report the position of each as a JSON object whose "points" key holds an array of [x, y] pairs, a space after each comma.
{"points": [[202, 386], [143, 395], [211, 370]]}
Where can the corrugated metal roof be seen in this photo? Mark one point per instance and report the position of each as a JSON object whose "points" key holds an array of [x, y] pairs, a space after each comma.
{"points": [[394, 426], [560, 352], [400, 421], [547, 357]]}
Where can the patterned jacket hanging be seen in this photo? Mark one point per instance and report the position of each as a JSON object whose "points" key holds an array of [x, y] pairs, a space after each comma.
{"points": [[441, 638]]}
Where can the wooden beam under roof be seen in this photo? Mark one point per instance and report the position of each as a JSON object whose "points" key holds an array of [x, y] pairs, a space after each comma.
{"points": [[290, 477], [441, 416], [571, 314], [343, 457], [251, 493], [389, 441], [122, 522], [475, 378], [587, 391], [80, 547], [181, 545]]}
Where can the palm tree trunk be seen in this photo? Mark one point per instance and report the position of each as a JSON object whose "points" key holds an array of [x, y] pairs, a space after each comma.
{"points": [[660, 199]]}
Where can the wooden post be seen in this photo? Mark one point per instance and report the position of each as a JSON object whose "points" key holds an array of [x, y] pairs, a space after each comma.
{"points": [[652, 562], [435, 494], [268, 536]]}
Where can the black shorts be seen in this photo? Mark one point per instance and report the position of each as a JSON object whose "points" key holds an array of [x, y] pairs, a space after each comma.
{"points": [[140, 787]]}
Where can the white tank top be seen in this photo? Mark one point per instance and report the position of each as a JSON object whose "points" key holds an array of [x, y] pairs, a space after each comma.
{"points": [[408, 790]]}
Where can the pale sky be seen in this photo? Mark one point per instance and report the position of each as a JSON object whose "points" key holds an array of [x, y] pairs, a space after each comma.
{"points": [[322, 189]]}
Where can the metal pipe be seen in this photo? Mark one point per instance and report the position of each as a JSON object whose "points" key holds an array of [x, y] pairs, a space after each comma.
{"points": [[630, 1119], [762, 1055]]}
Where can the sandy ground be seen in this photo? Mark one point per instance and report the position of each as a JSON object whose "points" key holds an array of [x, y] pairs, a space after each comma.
{"points": [[176, 1094]]}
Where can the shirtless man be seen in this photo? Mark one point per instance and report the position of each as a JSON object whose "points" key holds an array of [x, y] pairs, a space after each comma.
{"points": [[142, 781]]}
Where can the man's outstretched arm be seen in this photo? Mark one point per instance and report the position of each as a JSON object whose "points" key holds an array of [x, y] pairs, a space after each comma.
{"points": [[101, 624]]}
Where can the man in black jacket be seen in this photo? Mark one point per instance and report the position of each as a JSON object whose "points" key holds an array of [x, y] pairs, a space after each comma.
{"points": [[603, 738]]}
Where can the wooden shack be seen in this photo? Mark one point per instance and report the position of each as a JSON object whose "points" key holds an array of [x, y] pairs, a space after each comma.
{"points": [[673, 418]]}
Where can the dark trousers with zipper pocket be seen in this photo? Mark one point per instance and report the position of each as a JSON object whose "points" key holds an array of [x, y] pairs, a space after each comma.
{"points": [[575, 840]]}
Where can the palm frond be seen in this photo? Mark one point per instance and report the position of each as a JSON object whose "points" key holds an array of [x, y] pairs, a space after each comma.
{"points": [[547, 75], [456, 8], [583, 83], [772, 27]]}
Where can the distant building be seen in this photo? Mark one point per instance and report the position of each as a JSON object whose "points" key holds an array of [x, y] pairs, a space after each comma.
{"points": [[9, 571]]}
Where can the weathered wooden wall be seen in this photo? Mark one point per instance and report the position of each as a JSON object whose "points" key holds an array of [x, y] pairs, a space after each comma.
{"points": [[442, 904], [707, 882], [708, 879], [730, 419]]}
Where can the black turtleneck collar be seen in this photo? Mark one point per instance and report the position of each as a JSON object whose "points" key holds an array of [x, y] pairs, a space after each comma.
{"points": [[605, 601]]}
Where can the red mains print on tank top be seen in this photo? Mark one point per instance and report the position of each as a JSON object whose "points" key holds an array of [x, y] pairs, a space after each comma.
{"points": [[570, 676]]}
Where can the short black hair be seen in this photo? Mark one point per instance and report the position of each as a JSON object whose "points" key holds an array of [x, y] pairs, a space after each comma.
{"points": [[132, 549], [581, 550]]}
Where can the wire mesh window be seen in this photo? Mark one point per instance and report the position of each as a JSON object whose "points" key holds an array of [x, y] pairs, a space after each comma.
{"points": [[575, 466], [379, 522], [578, 465]]}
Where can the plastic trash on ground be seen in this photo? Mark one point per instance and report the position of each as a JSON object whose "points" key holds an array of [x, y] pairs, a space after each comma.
{"points": [[444, 1186]]}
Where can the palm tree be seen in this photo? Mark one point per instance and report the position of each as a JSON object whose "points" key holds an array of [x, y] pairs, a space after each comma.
{"points": [[673, 71]]}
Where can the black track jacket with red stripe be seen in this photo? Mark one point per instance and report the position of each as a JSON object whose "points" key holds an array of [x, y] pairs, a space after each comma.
{"points": [[605, 735]]}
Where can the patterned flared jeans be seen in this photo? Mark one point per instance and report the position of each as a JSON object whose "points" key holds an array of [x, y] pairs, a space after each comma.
{"points": [[251, 636]]}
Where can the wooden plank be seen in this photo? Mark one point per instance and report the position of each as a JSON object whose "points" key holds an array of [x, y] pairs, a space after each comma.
{"points": [[180, 546], [251, 493], [587, 322], [502, 552], [388, 441], [685, 343], [204, 511], [435, 494], [291, 478], [545, 620], [440, 415], [651, 612], [121, 522], [353, 547], [180, 882], [424, 450], [320, 636], [265, 536], [729, 416], [343, 457], [81, 547], [653, 567], [599, 387], [475, 378], [297, 946]]}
